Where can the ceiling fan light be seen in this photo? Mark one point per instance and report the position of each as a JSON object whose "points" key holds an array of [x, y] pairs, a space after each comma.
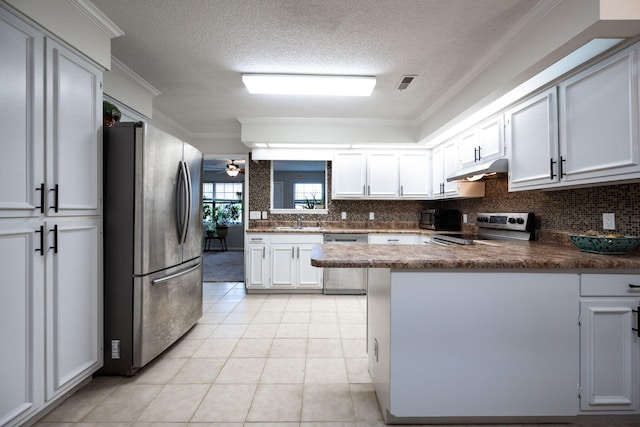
{"points": [[306, 84], [232, 172]]}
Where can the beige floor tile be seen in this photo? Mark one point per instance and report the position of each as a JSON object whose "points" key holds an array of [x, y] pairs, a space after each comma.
{"points": [[276, 403], [252, 347], [229, 331], [278, 305], [324, 303], [353, 330], [354, 347], [293, 330], [83, 401], [251, 303], [324, 347], [283, 370], [222, 307], [365, 403], [243, 317], [124, 404], [289, 347], [298, 304], [159, 371], [267, 317], [324, 317], [261, 330], [240, 370], [199, 370], [183, 348], [200, 331], [324, 330], [329, 424], [225, 403], [154, 425], [327, 402], [358, 370], [214, 318], [295, 317], [326, 370], [216, 347], [175, 403], [351, 317]]}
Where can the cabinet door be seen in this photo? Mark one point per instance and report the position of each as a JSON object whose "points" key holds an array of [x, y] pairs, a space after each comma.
{"points": [[599, 120], [609, 356], [257, 267], [450, 166], [74, 141], [383, 177], [437, 172], [21, 85], [309, 277], [415, 175], [349, 175], [21, 320], [283, 266], [73, 302], [490, 139], [532, 140], [468, 147]]}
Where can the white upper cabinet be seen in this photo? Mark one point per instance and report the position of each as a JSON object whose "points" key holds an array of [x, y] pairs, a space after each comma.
{"points": [[415, 175], [599, 121], [445, 162], [482, 143], [586, 135], [349, 175], [532, 138], [381, 175], [73, 133], [21, 103]]}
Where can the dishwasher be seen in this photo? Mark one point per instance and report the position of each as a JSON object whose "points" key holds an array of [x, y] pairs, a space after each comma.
{"points": [[345, 281]]}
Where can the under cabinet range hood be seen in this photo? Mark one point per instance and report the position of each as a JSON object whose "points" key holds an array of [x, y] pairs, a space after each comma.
{"points": [[481, 171]]}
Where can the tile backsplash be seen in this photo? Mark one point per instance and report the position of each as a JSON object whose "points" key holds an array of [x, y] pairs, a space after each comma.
{"points": [[573, 211]]}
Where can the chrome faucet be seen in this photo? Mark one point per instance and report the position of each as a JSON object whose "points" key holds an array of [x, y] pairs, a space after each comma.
{"points": [[299, 223]]}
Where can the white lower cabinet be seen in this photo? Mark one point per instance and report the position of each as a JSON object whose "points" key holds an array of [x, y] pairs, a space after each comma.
{"points": [[609, 345], [282, 261], [473, 344], [50, 311]]}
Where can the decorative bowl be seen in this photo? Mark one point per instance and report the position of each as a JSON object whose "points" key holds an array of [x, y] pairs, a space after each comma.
{"points": [[605, 245]]}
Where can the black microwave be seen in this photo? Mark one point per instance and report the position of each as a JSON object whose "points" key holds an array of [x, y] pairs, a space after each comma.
{"points": [[440, 219]]}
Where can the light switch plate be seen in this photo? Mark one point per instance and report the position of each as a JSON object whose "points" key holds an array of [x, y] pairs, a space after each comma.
{"points": [[372, 216], [254, 214], [464, 218], [344, 215], [608, 221], [265, 215]]}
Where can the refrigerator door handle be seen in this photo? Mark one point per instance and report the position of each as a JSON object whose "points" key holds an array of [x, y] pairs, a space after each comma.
{"points": [[189, 200], [173, 276], [182, 211]]}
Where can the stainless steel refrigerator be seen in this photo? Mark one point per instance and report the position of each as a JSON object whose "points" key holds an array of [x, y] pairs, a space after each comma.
{"points": [[153, 244]]}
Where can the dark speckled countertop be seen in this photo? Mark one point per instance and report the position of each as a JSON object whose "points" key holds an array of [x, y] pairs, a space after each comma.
{"points": [[495, 255]]}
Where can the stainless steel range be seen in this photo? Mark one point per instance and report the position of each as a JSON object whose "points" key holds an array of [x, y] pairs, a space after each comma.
{"points": [[494, 226]]}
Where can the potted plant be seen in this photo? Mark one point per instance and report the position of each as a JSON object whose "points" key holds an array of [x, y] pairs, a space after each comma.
{"points": [[111, 114], [207, 219], [223, 214]]}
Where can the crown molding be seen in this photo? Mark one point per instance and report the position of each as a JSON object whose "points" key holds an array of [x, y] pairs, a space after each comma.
{"points": [[96, 16], [120, 68], [324, 121]]}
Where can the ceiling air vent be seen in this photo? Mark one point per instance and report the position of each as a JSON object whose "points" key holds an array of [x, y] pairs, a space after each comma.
{"points": [[405, 81]]}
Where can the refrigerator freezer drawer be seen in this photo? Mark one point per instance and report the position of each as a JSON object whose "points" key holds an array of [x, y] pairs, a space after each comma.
{"points": [[168, 304]]}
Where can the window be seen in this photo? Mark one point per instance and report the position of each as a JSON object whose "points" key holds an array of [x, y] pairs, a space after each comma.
{"points": [[223, 194], [307, 194]]}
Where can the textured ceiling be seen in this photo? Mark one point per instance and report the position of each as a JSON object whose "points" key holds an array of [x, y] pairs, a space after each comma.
{"points": [[194, 52]]}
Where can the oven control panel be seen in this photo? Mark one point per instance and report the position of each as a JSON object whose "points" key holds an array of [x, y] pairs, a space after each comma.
{"points": [[506, 221]]}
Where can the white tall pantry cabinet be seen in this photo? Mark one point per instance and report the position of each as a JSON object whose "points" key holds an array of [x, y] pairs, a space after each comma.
{"points": [[50, 220]]}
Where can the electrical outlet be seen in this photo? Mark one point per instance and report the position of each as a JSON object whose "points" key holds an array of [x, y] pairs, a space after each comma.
{"points": [[265, 215], [464, 218], [608, 221], [372, 216], [254, 214], [344, 215]]}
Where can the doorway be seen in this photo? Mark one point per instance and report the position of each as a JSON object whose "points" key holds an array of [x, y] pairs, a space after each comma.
{"points": [[223, 199]]}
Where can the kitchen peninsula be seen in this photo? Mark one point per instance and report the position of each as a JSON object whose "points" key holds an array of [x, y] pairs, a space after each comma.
{"points": [[500, 332]]}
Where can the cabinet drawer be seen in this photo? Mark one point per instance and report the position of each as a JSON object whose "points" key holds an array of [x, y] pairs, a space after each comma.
{"points": [[392, 239], [294, 238], [610, 284], [257, 238]]}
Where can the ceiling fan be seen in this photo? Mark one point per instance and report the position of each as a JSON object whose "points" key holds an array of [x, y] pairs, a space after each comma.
{"points": [[232, 169]]}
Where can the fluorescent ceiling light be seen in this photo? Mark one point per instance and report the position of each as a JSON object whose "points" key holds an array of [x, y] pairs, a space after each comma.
{"points": [[290, 84]]}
